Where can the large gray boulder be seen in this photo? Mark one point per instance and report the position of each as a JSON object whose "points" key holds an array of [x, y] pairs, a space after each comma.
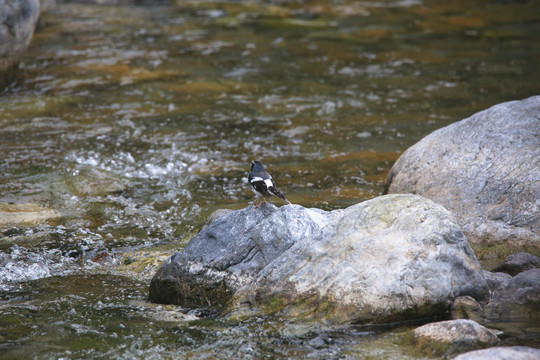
{"points": [[391, 258], [18, 19], [484, 169]]}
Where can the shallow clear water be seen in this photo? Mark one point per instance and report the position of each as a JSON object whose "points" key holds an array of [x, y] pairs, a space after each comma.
{"points": [[129, 124]]}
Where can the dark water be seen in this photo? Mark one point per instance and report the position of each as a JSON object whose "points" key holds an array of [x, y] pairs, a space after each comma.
{"points": [[129, 124]]}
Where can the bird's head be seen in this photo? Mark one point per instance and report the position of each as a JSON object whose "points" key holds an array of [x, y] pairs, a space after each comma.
{"points": [[256, 165]]}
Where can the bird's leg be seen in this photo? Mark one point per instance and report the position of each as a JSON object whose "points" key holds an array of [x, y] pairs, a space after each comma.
{"points": [[256, 206]]}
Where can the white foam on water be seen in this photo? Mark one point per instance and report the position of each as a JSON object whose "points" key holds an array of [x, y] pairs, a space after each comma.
{"points": [[19, 265]]}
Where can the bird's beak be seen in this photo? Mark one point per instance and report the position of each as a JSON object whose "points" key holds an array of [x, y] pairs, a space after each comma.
{"points": [[252, 162]]}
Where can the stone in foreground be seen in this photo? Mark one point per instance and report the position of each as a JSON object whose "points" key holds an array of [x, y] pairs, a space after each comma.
{"points": [[446, 338], [484, 169], [502, 353], [391, 258]]}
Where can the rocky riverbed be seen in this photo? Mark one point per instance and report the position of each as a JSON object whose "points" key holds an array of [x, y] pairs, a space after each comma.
{"points": [[392, 258]]}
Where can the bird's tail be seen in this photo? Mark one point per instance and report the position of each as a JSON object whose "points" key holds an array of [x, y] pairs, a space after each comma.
{"points": [[281, 196]]}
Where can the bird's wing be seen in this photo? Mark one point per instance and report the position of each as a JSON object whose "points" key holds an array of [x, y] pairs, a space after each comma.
{"points": [[269, 183], [253, 179], [261, 182], [261, 188]]}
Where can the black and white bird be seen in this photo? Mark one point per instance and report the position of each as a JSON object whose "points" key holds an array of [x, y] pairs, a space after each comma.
{"points": [[262, 183]]}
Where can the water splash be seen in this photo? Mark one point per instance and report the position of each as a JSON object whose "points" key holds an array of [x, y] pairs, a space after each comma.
{"points": [[19, 264]]}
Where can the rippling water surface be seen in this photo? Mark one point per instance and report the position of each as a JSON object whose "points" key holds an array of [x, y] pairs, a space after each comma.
{"points": [[129, 124]]}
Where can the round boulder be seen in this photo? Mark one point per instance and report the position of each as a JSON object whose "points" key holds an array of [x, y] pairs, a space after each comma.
{"points": [[391, 258], [484, 169], [519, 262]]}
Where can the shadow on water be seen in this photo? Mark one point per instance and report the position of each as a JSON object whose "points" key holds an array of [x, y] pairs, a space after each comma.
{"points": [[129, 124]]}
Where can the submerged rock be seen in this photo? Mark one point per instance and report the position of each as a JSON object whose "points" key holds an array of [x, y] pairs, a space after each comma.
{"points": [[516, 263], [391, 258], [91, 181], [484, 169], [446, 338], [28, 213], [502, 353], [18, 19]]}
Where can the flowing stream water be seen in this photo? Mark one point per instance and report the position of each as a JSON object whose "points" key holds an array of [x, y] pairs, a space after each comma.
{"points": [[129, 124]]}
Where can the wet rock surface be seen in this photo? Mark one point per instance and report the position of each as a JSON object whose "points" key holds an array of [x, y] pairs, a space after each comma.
{"points": [[519, 262], [453, 337], [465, 307], [391, 258], [18, 19], [513, 306], [502, 353], [496, 280], [518, 300], [484, 169]]}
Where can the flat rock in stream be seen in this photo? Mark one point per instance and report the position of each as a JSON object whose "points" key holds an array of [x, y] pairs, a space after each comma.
{"points": [[484, 169], [391, 258], [25, 214]]}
